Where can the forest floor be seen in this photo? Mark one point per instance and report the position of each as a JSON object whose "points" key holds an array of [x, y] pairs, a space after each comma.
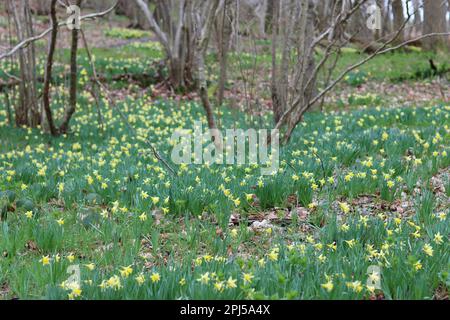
{"points": [[358, 208]]}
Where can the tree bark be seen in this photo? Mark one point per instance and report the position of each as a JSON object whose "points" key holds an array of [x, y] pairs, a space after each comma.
{"points": [[270, 15], [224, 36], [175, 39], [8, 108], [387, 13], [435, 21], [203, 33], [73, 81], [362, 35], [48, 72], [21, 113], [27, 110], [417, 19], [294, 88], [40, 7], [399, 19], [277, 104]]}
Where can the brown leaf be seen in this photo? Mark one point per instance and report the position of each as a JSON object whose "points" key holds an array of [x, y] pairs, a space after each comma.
{"points": [[302, 213], [31, 245]]}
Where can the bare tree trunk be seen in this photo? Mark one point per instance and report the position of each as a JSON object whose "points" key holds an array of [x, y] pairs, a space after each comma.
{"points": [[203, 33], [417, 19], [277, 104], [96, 87], [40, 7], [8, 108], [224, 36], [362, 35], [34, 110], [203, 92], [73, 81], [399, 18], [270, 15], [129, 9], [302, 93], [387, 13], [186, 42], [48, 72], [174, 37], [21, 110], [305, 83], [323, 8], [435, 21], [448, 10], [26, 111], [378, 34]]}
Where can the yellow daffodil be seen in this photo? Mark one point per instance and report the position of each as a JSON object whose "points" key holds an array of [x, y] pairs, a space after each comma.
{"points": [[45, 260], [155, 277], [328, 286], [247, 277], [428, 249], [126, 271]]}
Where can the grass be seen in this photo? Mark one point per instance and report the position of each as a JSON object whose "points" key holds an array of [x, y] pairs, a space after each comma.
{"points": [[140, 58], [352, 194], [447, 186], [137, 59], [395, 67], [124, 33], [100, 200]]}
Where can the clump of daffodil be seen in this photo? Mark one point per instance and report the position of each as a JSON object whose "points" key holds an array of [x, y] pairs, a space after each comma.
{"points": [[356, 286], [140, 279], [328, 285], [155, 277], [344, 207], [45, 260], [90, 266], [428, 249], [73, 287], [247, 278], [125, 272], [273, 254], [112, 283], [204, 278]]}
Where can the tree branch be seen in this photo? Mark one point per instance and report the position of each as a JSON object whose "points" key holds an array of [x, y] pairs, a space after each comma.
{"points": [[162, 37], [26, 42]]}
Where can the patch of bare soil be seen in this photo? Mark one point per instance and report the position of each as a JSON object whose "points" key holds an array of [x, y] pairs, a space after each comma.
{"points": [[4, 290], [406, 205], [441, 293], [369, 205], [439, 184]]}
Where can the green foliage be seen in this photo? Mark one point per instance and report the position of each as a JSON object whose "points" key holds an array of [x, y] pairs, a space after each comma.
{"points": [[356, 78], [101, 201], [123, 33], [364, 100], [98, 199]]}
